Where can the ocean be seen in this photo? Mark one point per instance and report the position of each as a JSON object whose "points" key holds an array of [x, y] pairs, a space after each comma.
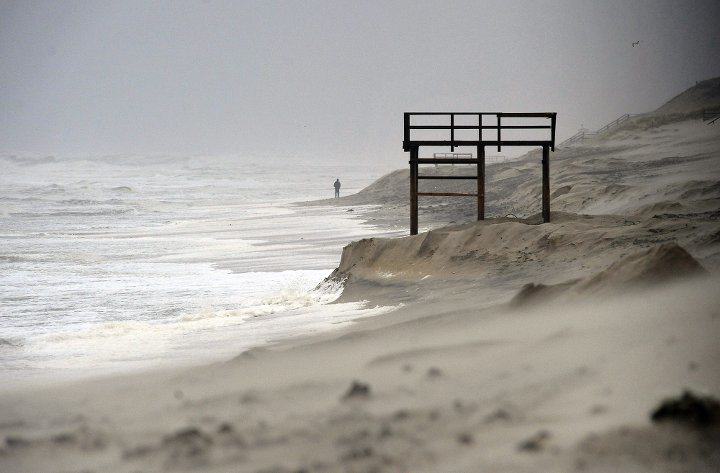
{"points": [[115, 264]]}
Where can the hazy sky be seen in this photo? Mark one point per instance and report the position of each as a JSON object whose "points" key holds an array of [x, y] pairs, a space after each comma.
{"points": [[328, 79]]}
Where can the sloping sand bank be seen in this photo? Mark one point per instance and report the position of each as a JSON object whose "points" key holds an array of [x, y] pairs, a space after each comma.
{"points": [[500, 255], [648, 268]]}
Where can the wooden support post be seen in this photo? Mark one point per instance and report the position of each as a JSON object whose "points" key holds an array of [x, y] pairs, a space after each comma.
{"points": [[406, 135], [546, 183], [481, 182], [414, 190]]}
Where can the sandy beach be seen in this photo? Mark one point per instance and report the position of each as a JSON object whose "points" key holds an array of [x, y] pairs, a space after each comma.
{"points": [[515, 346]]}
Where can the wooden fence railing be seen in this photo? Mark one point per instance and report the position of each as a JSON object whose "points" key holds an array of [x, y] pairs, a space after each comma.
{"points": [[585, 134]]}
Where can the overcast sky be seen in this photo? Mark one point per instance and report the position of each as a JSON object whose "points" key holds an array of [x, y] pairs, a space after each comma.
{"points": [[328, 79]]}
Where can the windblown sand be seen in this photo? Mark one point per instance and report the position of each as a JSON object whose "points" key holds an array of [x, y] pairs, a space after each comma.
{"points": [[519, 346], [452, 387]]}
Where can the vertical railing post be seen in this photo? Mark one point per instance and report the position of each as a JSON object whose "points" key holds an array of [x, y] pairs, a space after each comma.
{"points": [[406, 132], [552, 130], [480, 127], [498, 130], [452, 132], [481, 182], [546, 183], [414, 190]]}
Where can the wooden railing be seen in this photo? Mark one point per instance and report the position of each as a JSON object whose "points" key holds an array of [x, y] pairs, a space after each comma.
{"points": [[615, 123], [451, 141], [711, 115], [579, 136], [585, 134]]}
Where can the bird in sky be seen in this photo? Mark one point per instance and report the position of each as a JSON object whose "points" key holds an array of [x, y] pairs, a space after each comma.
{"points": [[636, 43]]}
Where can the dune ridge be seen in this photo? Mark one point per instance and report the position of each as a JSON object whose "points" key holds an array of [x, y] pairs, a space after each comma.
{"points": [[662, 264]]}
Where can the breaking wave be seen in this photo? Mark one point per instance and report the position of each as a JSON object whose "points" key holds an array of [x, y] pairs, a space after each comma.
{"points": [[75, 213], [10, 342], [287, 299]]}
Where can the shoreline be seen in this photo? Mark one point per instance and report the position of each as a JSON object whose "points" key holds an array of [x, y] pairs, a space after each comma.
{"points": [[90, 340]]}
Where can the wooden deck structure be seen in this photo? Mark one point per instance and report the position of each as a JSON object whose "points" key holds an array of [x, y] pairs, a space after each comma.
{"points": [[412, 144]]}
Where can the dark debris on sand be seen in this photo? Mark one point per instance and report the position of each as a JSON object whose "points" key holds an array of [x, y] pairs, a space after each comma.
{"points": [[689, 409], [357, 390], [188, 442], [535, 443], [434, 372]]}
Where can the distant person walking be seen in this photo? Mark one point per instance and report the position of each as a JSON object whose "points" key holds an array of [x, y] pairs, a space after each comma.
{"points": [[337, 187]]}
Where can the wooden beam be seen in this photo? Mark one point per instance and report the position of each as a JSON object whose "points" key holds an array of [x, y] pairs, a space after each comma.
{"points": [[505, 114], [475, 127], [499, 127], [406, 137], [529, 115], [414, 190], [461, 143], [546, 184], [481, 183], [480, 127], [452, 132], [447, 177], [447, 161], [449, 194], [451, 113]]}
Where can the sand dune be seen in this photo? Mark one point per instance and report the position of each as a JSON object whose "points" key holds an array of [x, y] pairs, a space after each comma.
{"points": [[508, 252], [652, 267], [648, 166], [704, 95]]}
